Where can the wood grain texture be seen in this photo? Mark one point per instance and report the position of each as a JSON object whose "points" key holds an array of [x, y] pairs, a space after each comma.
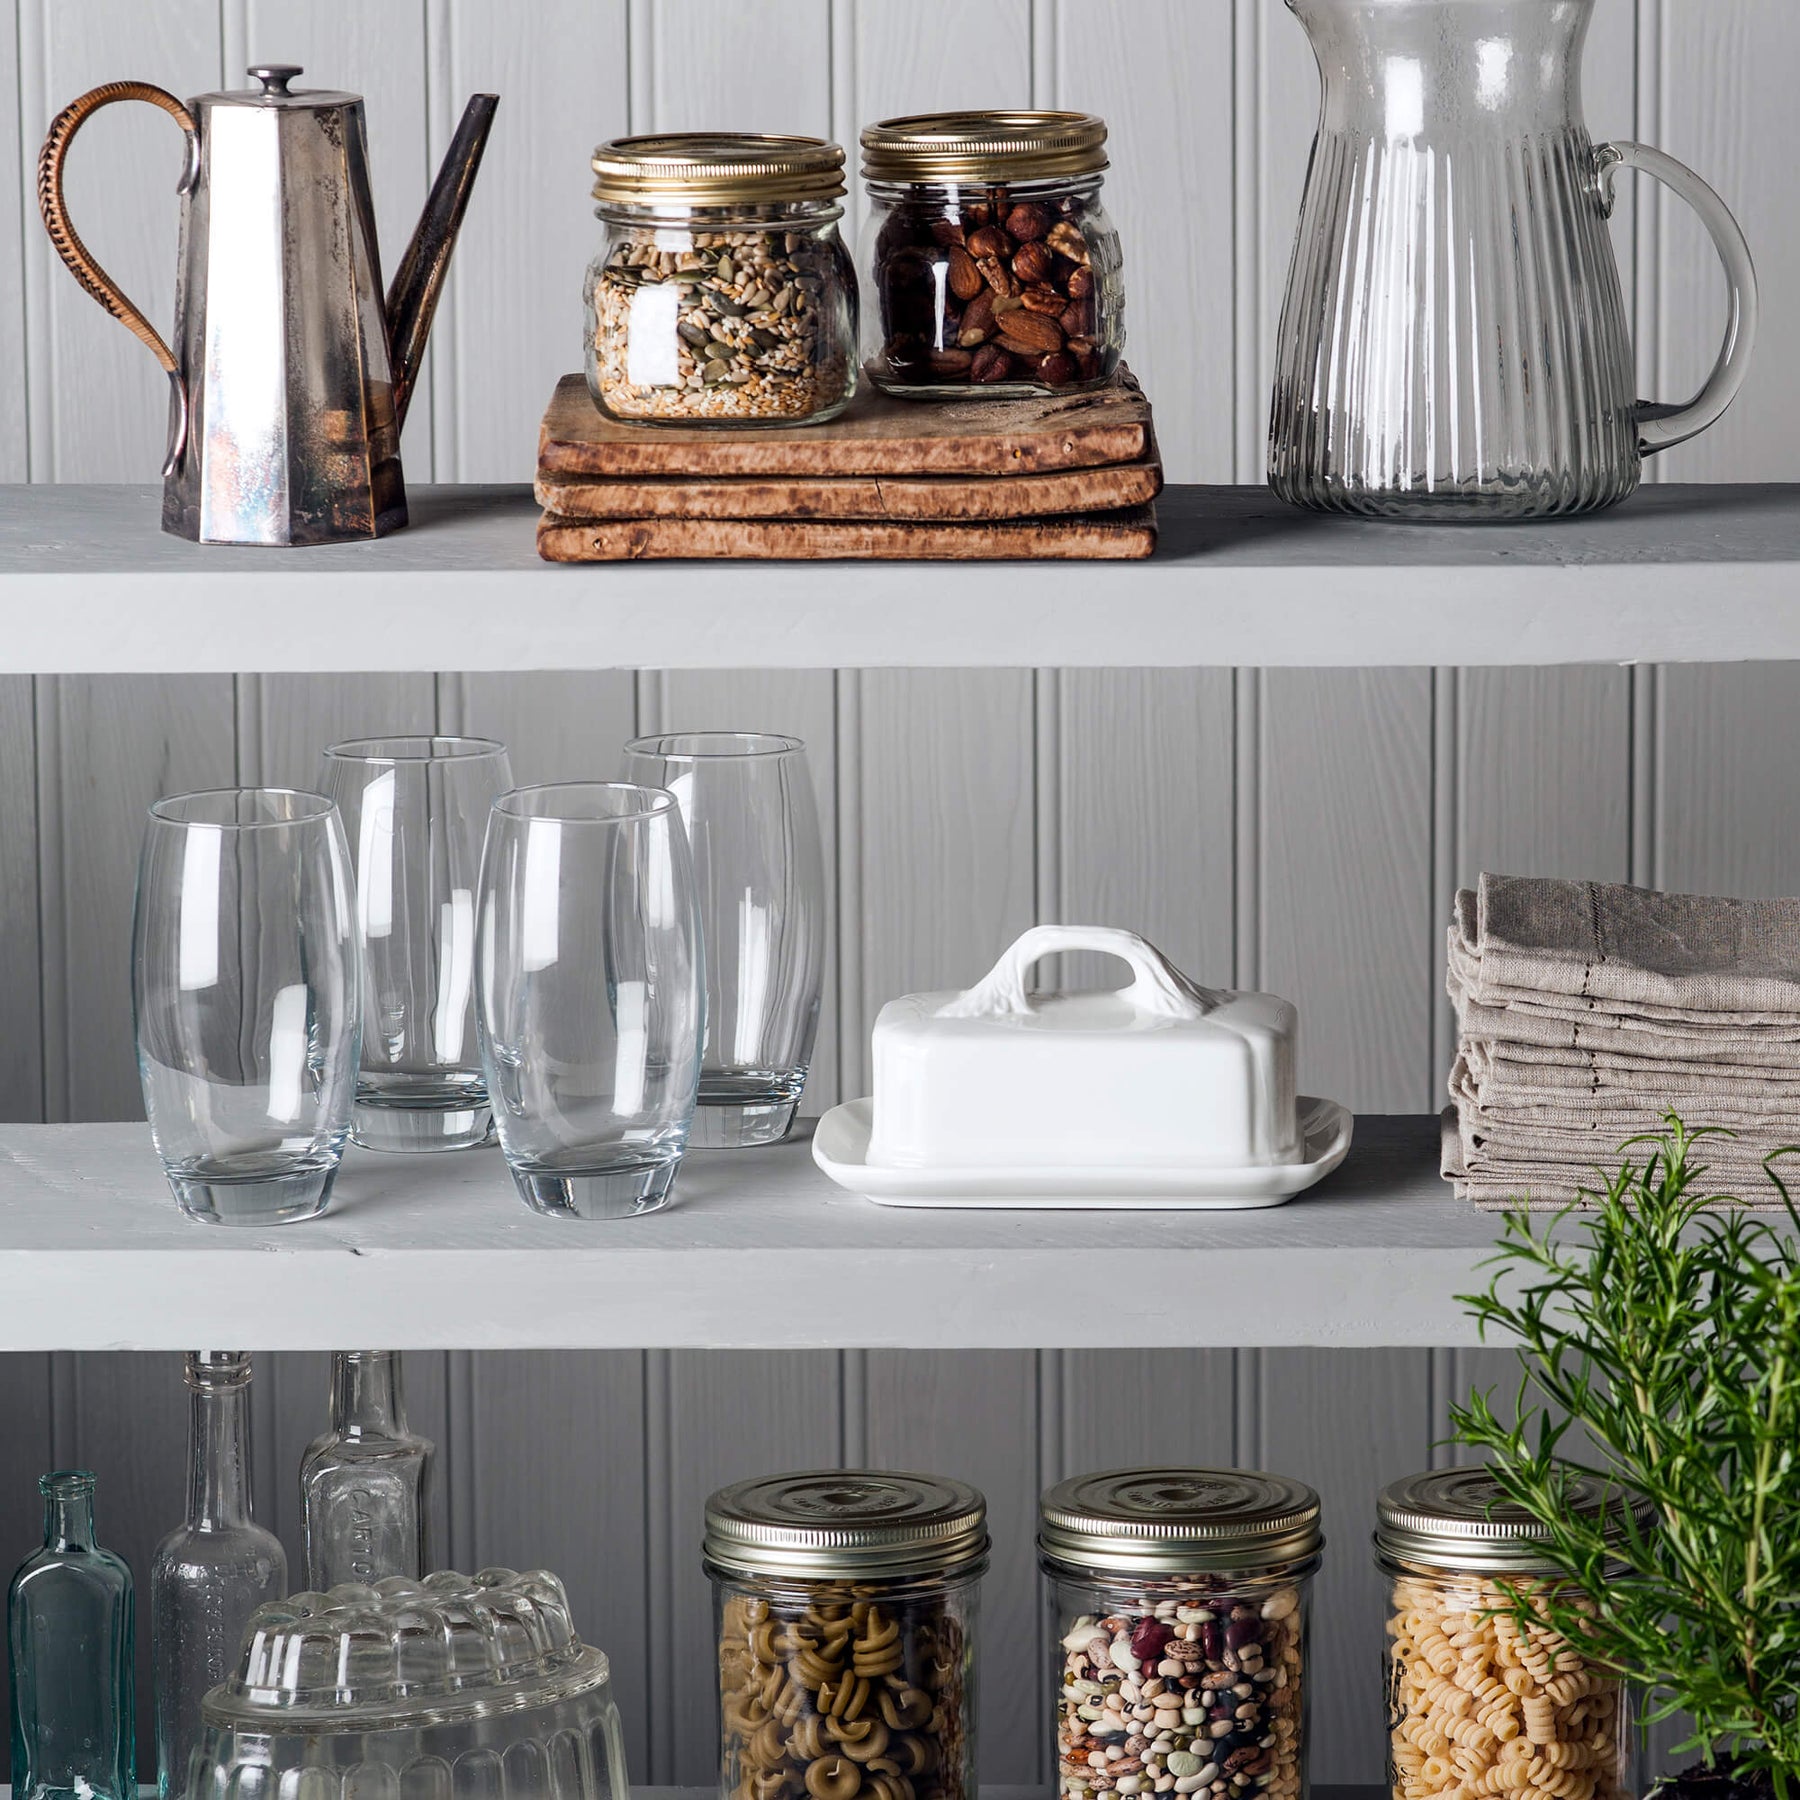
{"points": [[1345, 878], [511, 318], [99, 406], [15, 424], [729, 1416], [285, 722], [974, 1415], [108, 746], [1348, 1424], [735, 68], [1128, 535], [22, 1049], [801, 704], [556, 727], [875, 435]]}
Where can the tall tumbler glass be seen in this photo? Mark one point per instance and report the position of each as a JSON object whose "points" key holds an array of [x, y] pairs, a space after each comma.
{"points": [[245, 1000], [415, 811], [747, 800], [591, 994]]}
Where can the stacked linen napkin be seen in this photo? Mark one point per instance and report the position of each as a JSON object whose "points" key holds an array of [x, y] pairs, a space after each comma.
{"points": [[1586, 1013]]}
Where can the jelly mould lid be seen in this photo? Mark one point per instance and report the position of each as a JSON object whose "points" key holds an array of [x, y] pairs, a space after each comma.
{"points": [[1177, 1521], [497, 1638]]}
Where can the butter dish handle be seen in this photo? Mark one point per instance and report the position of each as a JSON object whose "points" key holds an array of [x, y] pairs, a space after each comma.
{"points": [[1157, 989]]}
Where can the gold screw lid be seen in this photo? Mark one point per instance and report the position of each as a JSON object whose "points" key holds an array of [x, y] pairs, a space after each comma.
{"points": [[1457, 1519], [715, 168], [845, 1524], [1179, 1521], [984, 147]]}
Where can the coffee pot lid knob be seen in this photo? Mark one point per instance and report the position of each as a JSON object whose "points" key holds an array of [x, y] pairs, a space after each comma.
{"points": [[274, 77]]}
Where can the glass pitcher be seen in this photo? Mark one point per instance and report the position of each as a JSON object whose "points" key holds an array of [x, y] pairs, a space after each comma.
{"points": [[1454, 344]]}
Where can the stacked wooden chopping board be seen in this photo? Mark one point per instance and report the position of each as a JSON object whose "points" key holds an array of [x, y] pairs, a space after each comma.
{"points": [[1068, 478]]}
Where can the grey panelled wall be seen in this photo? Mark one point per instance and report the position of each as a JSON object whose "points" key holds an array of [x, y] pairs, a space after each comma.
{"points": [[1299, 829]]}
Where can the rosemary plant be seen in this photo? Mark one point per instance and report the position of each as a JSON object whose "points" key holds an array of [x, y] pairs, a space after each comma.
{"points": [[1660, 1351]]}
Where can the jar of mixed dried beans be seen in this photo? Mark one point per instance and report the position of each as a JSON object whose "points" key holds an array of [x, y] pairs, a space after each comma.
{"points": [[844, 1603], [722, 294], [1178, 1617], [993, 268], [1481, 1701]]}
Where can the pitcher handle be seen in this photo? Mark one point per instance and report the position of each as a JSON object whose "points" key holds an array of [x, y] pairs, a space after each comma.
{"points": [[1661, 426], [81, 261]]}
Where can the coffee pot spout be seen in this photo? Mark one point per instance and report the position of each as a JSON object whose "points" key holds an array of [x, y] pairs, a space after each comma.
{"points": [[413, 295]]}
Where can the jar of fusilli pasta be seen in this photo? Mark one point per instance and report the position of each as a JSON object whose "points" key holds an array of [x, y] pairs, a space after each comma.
{"points": [[1481, 1703], [1178, 1633]]}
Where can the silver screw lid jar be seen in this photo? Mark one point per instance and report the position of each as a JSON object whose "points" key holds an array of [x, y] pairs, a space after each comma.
{"points": [[1180, 1603], [1458, 1519], [845, 1603]]}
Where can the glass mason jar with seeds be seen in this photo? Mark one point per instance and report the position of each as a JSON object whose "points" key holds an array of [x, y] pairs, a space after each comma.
{"points": [[1178, 1616], [844, 1604], [722, 294], [1478, 1700], [992, 267]]}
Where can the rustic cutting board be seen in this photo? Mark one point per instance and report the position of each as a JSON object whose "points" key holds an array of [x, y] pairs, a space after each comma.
{"points": [[875, 435], [1121, 536]]}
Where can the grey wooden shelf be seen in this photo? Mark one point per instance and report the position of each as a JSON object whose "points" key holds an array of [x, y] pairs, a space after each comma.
{"points": [[759, 1250], [88, 583]]}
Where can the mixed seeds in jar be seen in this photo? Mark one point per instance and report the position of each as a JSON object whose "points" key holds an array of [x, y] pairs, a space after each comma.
{"points": [[1480, 1700], [845, 1605], [722, 294], [1179, 1603], [992, 267]]}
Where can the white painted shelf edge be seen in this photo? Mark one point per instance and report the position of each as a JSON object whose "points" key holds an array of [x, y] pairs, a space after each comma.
{"points": [[90, 584], [758, 1250]]}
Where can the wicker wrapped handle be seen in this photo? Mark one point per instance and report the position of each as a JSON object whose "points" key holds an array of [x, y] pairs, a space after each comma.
{"points": [[54, 207]]}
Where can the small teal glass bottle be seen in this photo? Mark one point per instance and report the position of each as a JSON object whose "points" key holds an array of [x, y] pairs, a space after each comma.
{"points": [[69, 1625]]}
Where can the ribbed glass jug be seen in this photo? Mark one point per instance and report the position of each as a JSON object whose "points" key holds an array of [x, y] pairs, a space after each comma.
{"points": [[1453, 344]]}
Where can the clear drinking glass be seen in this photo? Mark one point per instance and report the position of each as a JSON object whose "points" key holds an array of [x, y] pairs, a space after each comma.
{"points": [[245, 1000], [747, 801], [69, 1628], [214, 1570], [363, 1485], [592, 998], [415, 810]]}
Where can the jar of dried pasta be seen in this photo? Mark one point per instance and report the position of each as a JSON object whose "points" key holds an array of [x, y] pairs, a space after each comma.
{"points": [[722, 294], [1179, 1603], [1479, 1701], [845, 1602]]}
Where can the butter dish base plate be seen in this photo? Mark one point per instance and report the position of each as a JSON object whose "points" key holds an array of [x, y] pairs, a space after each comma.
{"points": [[841, 1149]]}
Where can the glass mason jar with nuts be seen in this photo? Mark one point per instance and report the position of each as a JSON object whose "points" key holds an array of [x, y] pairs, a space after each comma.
{"points": [[722, 293], [993, 268], [1478, 1702], [1179, 1603], [844, 1603]]}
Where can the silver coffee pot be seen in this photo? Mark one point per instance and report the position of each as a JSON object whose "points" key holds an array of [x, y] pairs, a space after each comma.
{"points": [[290, 375]]}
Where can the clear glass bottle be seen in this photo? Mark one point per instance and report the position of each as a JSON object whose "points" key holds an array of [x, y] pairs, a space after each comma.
{"points": [[844, 1603], [723, 294], [1179, 1607], [213, 1571], [363, 1485], [993, 269], [1475, 1703], [70, 1630]]}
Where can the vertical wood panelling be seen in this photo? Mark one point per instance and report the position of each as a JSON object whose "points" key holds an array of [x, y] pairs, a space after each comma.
{"points": [[22, 1048], [734, 68], [1346, 878], [554, 727], [1160, 73], [108, 745], [974, 1415], [25, 1428], [99, 404], [1349, 1424], [512, 318], [1122, 1409], [286, 721], [730, 1415], [15, 206], [1725, 106]]}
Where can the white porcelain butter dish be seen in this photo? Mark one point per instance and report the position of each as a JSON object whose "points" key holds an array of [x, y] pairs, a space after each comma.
{"points": [[1160, 1072]]}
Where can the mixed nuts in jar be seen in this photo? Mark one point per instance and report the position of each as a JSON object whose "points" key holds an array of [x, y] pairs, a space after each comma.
{"points": [[1178, 1611], [993, 269], [723, 293], [845, 1605], [1480, 1699]]}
